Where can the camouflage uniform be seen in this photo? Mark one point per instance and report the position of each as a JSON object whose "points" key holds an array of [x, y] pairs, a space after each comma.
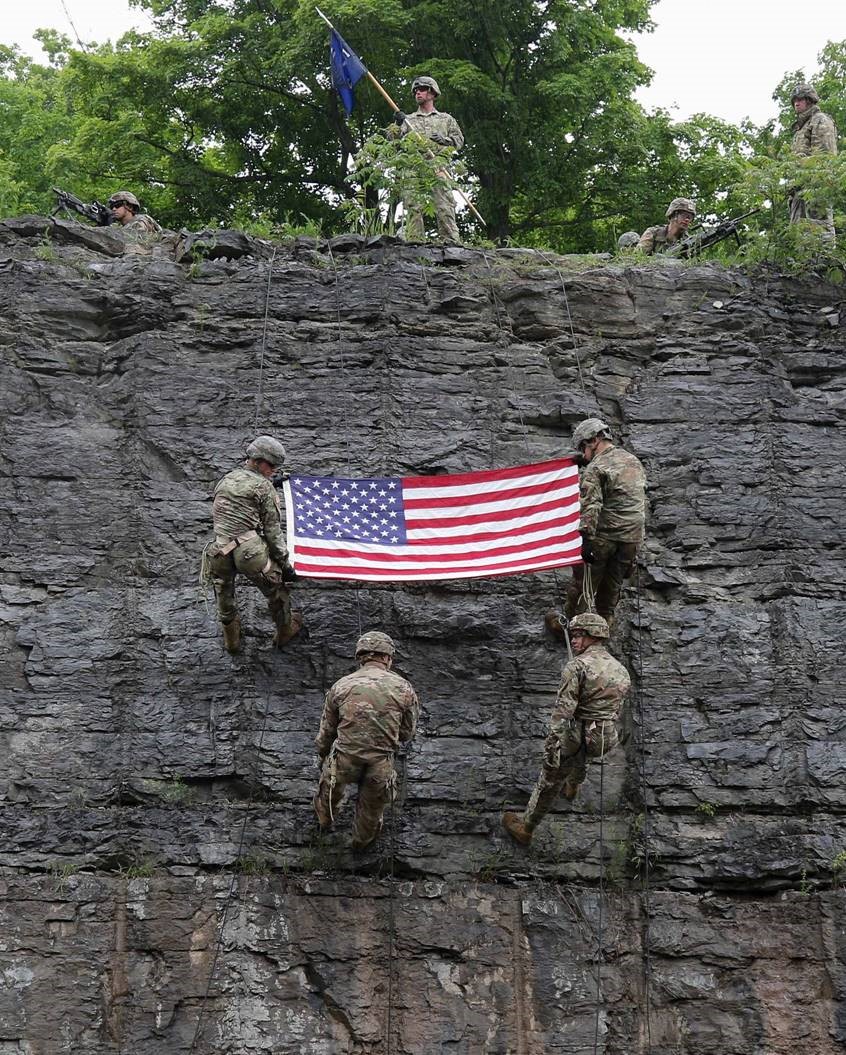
{"points": [[446, 127], [142, 228], [366, 716], [813, 133], [593, 688], [248, 539], [657, 239], [613, 510]]}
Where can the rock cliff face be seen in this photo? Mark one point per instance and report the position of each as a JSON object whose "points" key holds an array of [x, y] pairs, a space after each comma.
{"points": [[164, 890]]}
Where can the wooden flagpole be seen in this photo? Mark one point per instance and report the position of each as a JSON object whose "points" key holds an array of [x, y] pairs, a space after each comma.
{"points": [[395, 108]]}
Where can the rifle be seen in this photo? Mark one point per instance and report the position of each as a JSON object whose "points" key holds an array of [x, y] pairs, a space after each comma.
{"points": [[704, 239], [101, 215]]}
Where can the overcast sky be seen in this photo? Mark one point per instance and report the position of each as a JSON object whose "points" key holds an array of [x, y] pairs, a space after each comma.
{"points": [[722, 57]]}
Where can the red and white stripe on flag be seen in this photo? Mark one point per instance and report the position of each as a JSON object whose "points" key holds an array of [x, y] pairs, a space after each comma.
{"points": [[413, 528]]}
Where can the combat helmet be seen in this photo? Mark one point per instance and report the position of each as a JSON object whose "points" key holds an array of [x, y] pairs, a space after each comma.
{"points": [[124, 197], [375, 641], [590, 623], [804, 91], [425, 82], [628, 240], [679, 204], [268, 449], [588, 429]]}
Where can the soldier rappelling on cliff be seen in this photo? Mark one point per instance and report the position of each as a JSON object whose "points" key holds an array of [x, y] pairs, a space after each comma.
{"points": [[248, 538], [613, 512], [367, 715], [583, 725]]}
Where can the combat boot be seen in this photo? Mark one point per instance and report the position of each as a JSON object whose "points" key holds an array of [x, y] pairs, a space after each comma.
{"points": [[232, 635], [552, 622], [358, 847], [285, 632], [517, 828]]}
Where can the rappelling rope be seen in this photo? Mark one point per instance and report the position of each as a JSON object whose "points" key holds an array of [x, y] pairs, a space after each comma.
{"points": [[204, 578], [392, 821], [587, 594], [643, 794], [494, 298], [572, 329], [391, 922], [343, 363], [392, 845], [233, 883], [601, 887], [588, 598], [260, 393]]}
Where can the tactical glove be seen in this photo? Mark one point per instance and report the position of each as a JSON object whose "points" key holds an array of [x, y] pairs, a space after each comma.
{"points": [[399, 117], [587, 550], [442, 141], [288, 574]]}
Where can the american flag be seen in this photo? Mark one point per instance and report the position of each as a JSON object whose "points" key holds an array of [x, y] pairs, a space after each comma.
{"points": [[467, 526]]}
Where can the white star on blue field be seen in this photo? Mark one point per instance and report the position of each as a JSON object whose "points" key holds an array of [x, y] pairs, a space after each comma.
{"points": [[367, 510]]}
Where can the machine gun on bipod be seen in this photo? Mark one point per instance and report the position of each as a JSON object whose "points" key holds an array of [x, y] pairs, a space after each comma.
{"points": [[99, 214], [701, 238]]}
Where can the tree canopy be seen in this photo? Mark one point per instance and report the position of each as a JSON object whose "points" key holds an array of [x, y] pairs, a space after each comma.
{"points": [[224, 114]]}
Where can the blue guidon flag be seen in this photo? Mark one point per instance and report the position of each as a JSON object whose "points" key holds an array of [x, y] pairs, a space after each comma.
{"points": [[413, 528], [347, 69]]}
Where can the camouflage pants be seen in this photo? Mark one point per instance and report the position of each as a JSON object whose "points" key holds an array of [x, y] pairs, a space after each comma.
{"points": [[376, 780], [444, 213], [252, 560], [613, 563], [566, 758], [822, 217]]}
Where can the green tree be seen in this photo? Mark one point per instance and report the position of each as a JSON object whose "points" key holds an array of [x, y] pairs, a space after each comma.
{"points": [[32, 118], [227, 112]]}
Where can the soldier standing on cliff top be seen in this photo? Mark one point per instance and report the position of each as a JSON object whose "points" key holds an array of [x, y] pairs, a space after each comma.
{"points": [[248, 538], [443, 131], [583, 725], [613, 511], [680, 214], [366, 716], [813, 133]]}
